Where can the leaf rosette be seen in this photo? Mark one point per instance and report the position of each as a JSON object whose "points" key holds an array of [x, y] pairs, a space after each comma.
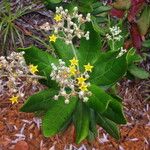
{"points": [[101, 108]]}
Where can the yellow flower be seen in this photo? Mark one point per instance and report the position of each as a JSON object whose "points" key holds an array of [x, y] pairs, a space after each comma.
{"points": [[88, 67], [81, 80], [72, 70], [52, 38], [74, 62], [14, 99], [83, 87], [58, 17], [33, 69]]}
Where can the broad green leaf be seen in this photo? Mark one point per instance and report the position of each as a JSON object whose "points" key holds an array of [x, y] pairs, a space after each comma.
{"points": [[85, 8], [96, 26], [138, 72], [64, 51], [86, 1], [101, 9], [39, 101], [35, 56], [92, 125], [53, 1], [108, 69], [89, 49], [97, 4], [132, 57], [146, 43], [144, 21], [99, 99], [81, 121], [109, 126], [57, 116], [114, 112]]}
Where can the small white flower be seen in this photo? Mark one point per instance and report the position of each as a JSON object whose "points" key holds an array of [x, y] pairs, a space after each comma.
{"points": [[85, 99], [63, 93], [56, 97], [88, 17], [75, 9], [67, 101]]}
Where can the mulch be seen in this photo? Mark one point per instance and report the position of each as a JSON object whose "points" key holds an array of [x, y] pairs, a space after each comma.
{"points": [[21, 131]]}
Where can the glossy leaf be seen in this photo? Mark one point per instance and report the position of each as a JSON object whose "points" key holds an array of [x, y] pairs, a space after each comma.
{"points": [[108, 69], [89, 49], [64, 51], [93, 124], [42, 59], [114, 112], [133, 57], [146, 43], [138, 72], [53, 1], [144, 21], [109, 126], [101, 9], [39, 101], [57, 115], [99, 100], [81, 121]]}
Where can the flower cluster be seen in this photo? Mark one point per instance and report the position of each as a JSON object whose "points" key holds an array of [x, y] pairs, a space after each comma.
{"points": [[15, 75], [71, 81], [114, 34], [70, 26], [122, 51]]}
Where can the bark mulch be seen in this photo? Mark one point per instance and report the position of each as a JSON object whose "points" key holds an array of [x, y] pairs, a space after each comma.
{"points": [[21, 131]]}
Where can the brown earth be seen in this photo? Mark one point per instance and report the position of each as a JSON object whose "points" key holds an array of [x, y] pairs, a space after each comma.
{"points": [[135, 135]]}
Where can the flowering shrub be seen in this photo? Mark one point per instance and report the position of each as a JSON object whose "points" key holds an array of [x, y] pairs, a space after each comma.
{"points": [[15, 75], [77, 79]]}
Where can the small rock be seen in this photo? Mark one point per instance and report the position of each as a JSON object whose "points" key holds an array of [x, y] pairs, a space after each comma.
{"points": [[21, 145]]}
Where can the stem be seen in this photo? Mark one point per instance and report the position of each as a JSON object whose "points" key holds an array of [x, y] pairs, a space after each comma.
{"points": [[74, 52], [113, 44], [28, 76]]}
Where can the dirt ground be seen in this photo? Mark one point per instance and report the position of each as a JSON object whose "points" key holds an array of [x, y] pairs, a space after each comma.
{"points": [[21, 131]]}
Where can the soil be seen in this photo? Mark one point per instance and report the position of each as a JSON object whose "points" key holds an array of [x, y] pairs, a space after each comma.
{"points": [[21, 131]]}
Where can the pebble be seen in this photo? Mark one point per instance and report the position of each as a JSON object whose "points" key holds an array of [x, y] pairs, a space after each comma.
{"points": [[21, 145]]}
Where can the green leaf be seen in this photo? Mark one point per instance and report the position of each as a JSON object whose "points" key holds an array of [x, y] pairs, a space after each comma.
{"points": [[92, 126], [86, 1], [138, 72], [81, 121], [42, 59], [114, 112], [132, 57], [57, 116], [109, 126], [39, 101], [101, 9], [146, 43], [144, 21], [53, 1], [85, 8], [64, 51], [108, 69], [99, 99], [89, 49], [97, 27]]}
